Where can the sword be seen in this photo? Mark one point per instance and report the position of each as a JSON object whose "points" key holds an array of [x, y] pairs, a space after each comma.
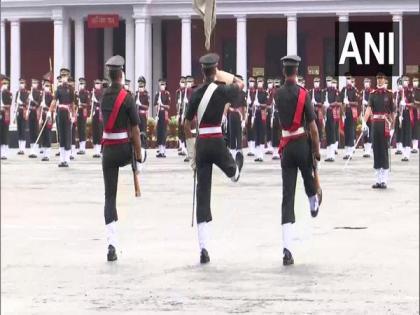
{"points": [[194, 192], [355, 146]]}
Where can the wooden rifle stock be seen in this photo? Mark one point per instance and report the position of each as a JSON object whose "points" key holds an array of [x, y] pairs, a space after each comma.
{"points": [[136, 175]]}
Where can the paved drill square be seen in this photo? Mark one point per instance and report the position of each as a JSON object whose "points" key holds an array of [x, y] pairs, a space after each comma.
{"points": [[54, 251]]}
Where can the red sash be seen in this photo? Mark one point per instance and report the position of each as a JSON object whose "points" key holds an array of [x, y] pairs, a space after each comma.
{"points": [[296, 121], [354, 112], [115, 110]]}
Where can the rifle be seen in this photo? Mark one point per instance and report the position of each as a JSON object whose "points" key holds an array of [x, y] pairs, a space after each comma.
{"points": [[184, 107], [136, 174], [317, 182]]}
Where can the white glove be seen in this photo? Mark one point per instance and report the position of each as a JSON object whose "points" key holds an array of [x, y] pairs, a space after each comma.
{"points": [[143, 156], [191, 152], [326, 105], [48, 115], [243, 124], [391, 133], [365, 103], [364, 126], [224, 120]]}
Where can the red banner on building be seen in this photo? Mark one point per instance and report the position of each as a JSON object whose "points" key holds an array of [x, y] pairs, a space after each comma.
{"points": [[103, 21]]}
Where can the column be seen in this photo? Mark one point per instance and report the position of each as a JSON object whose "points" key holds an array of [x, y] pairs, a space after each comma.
{"points": [[343, 30], [140, 48], [186, 45], [292, 34], [79, 48], [58, 46], [148, 55], [14, 54], [241, 47], [129, 51], [3, 47], [108, 45], [157, 54], [398, 58], [66, 43]]}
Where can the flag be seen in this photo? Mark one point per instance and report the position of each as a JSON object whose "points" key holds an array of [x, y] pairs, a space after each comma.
{"points": [[207, 10]]}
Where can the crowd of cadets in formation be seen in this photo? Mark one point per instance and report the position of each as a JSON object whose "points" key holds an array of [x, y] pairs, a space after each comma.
{"points": [[252, 114]]}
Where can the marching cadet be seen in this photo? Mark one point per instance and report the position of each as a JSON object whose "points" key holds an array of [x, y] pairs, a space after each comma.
{"points": [[33, 116], [275, 123], [348, 97], [45, 137], [5, 105], [162, 103], [337, 115], [416, 129], [317, 101], [82, 114], [142, 103], [180, 95], [268, 124], [63, 104], [250, 98], [405, 102], [381, 108], [127, 85], [367, 138], [73, 121], [330, 99], [398, 130], [208, 102], [97, 116], [189, 87], [236, 121], [297, 151], [120, 119], [21, 103], [259, 118]]}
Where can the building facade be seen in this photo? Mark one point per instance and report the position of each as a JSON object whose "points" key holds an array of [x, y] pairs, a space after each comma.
{"points": [[165, 38]]}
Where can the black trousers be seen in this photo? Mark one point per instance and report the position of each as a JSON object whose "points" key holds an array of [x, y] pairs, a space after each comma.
{"points": [[45, 139], [276, 132], [73, 133], [259, 128], [181, 133], [143, 130], [268, 126], [64, 129], [405, 129], [81, 125], [96, 127], [235, 131], [209, 152], [113, 157], [4, 132], [416, 129], [296, 155], [330, 128], [21, 124], [320, 127], [349, 129], [398, 130], [249, 129], [161, 128], [379, 146], [33, 126], [337, 131]]}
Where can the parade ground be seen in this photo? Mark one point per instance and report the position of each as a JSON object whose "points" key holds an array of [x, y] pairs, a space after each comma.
{"points": [[359, 256]]}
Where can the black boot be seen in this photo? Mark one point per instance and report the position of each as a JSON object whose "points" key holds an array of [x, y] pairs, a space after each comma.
{"points": [[287, 257], [239, 159], [375, 186], [112, 255], [204, 257]]}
